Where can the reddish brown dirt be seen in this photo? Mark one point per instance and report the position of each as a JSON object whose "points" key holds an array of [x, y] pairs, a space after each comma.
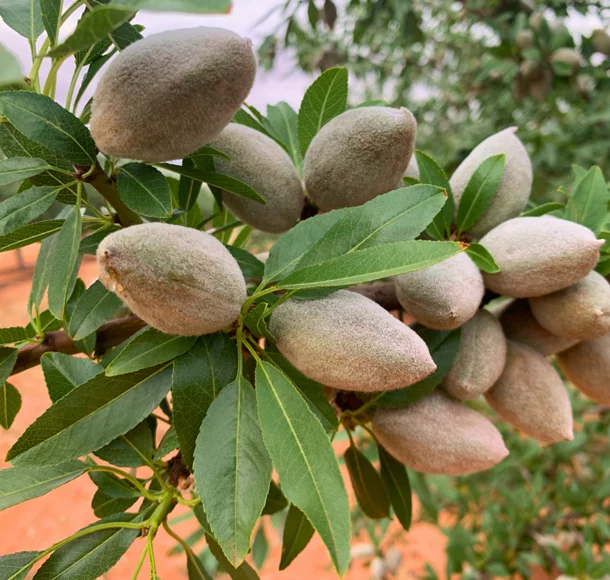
{"points": [[39, 523]]}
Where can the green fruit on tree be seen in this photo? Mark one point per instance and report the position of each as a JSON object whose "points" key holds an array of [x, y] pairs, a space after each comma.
{"points": [[565, 61], [601, 41]]}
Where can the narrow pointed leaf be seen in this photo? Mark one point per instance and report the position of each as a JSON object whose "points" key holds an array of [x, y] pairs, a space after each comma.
{"points": [[10, 403], [8, 358], [195, 568], [482, 258], [144, 190], [168, 444], [260, 547], [368, 487], [10, 70], [63, 372], [588, 203], [18, 168], [23, 16], [189, 188], [282, 123], [16, 566], [42, 272], [133, 449], [22, 208], [251, 267], [430, 172], [50, 11], [396, 481], [297, 533], [29, 234], [544, 209], [13, 334], [104, 505], [96, 306], [194, 6], [276, 500]]}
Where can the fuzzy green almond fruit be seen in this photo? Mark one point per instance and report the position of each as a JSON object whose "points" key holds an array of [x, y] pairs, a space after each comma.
{"points": [[358, 155], [165, 96], [178, 280], [525, 39], [587, 366], [261, 163], [568, 57], [349, 342], [438, 435], [480, 358], [514, 189], [531, 396], [539, 255], [443, 296], [601, 41]]}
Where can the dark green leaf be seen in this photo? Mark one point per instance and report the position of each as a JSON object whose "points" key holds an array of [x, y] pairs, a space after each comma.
{"points": [[42, 272], [479, 192], [324, 99], [8, 358], [43, 120], [168, 444], [63, 372], [368, 487], [144, 190], [199, 376], [23, 16], [90, 416], [232, 468], [282, 123], [95, 67], [297, 533], [543, 209], [305, 461], [260, 547], [482, 258], [195, 568], [18, 168], [207, 151], [50, 11], [104, 505], [113, 486], [150, 348], [396, 480], [133, 449], [256, 322], [189, 188], [10, 403], [588, 203], [22, 208], [89, 244], [276, 500], [16, 566], [430, 172], [19, 484], [96, 306], [251, 267], [313, 14], [29, 234], [13, 334], [194, 6]]}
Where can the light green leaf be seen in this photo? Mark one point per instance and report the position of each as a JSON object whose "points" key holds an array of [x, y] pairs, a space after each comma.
{"points": [[22, 208], [371, 264], [95, 25], [50, 13], [194, 6], [16, 566], [282, 123], [260, 547], [232, 468], [96, 306], [133, 449], [144, 190], [10, 71], [297, 533], [479, 192], [305, 461], [588, 204], [63, 372], [366, 482], [10, 403], [19, 484], [396, 480], [90, 416], [43, 120], [8, 358], [482, 258], [544, 209], [29, 234], [18, 168], [324, 99], [64, 263], [199, 376], [431, 172], [23, 16]]}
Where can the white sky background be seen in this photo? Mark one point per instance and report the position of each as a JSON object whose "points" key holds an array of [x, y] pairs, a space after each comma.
{"points": [[285, 82]]}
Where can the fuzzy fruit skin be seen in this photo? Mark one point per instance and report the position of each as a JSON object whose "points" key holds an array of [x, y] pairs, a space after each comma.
{"points": [[178, 280], [438, 435], [519, 325], [261, 163], [165, 96], [531, 396], [567, 56], [359, 155], [480, 359], [601, 41], [349, 342], [539, 255], [443, 296], [516, 184], [587, 366], [580, 311]]}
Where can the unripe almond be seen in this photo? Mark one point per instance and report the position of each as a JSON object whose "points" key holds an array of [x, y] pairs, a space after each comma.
{"points": [[177, 279], [601, 41], [515, 187], [568, 57], [480, 358], [358, 155], [519, 325], [440, 436], [443, 296], [539, 255], [531, 396], [587, 366], [261, 163], [349, 342], [165, 96], [525, 39], [580, 311]]}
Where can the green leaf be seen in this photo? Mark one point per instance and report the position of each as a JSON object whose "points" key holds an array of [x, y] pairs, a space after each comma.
{"points": [[23, 16], [168, 444], [64, 263], [90, 416], [29, 234], [232, 468], [431, 172], [13, 334], [256, 322], [396, 480], [95, 25], [371, 264], [368, 487], [479, 192], [588, 203], [482, 258], [543, 209], [194, 6], [20, 209], [260, 547], [8, 358], [144, 190], [282, 123], [399, 215], [324, 99], [16, 566], [113, 486], [443, 346], [91, 556], [63, 372], [10, 403], [199, 376], [18, 168], [89, 244], [133, 449], [10, 71], [95, 67], [43, 120], [251, 267], [297, 533], [150, 348], [104, 505], [305, 461], [207, 151], [195, 568], [50, 11], [276, 500], [96, 306], [19, 484], [189, 188]]}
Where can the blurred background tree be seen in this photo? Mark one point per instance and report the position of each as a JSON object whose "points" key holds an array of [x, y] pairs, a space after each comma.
{"points": [[468, 69]]}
